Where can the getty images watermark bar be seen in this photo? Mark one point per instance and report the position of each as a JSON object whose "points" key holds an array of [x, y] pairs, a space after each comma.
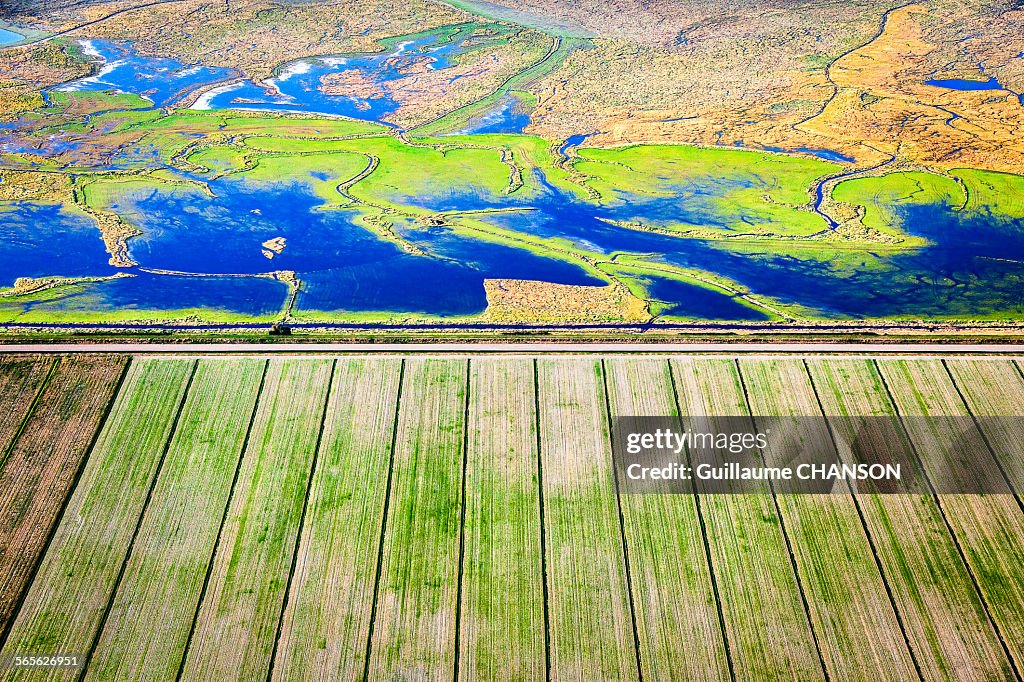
{"points": [[816, 454]]}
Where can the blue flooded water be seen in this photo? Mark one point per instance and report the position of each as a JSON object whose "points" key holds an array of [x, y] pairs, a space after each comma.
{"points": [[974, 265], [342, 265], [572, 142], [9, 37], [964, 84], [41, 240], [508, 116], [958, 274], [361, 91], [826, 154], [359, 80], [145, 291], [692, 301], [160, 81]]}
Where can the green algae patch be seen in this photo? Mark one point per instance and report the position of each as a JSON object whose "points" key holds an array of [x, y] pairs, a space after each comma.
{"points": [[38, 309], [323, 172], [529, 154], [219, 159], [881, 196], [727, 191], [87, 101], [1000, 194], [404, 172]]}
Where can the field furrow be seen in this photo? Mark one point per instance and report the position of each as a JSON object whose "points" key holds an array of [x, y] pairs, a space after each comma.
{"points": [[414, 631], [592, 631], [949, 631], [238, 618], [674, 596], [990, 527], [856, 624], [42, 464], [69, 596], [502, 631], [767, 626], [155, 603], [327, 621], [994, 389], [20, 381]]}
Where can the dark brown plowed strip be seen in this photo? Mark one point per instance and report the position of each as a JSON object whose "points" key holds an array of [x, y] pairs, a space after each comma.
{"points": [[44, 461], [20, 381]]}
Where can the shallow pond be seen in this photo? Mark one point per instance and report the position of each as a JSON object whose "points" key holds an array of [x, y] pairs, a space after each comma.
{"points": [[159, 80], [964, 84], [8, 37], [974, 265], [508, 116], [68, 246], [343, 266]]}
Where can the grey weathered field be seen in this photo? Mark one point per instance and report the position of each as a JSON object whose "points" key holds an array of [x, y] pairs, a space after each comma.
{"points": [[462, 518], [40, 467]]}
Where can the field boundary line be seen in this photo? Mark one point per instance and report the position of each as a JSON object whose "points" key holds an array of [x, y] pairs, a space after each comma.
{"points": [[785, 533], [302, 520], [949, 527], [29, 412], [64, 504], [223, 520], [543, 531], [984, 438], [138, 524], [766, 348], [622, 522], [1016, 366], [462, 520], [867, 531], [703, 530], [384, 521]]}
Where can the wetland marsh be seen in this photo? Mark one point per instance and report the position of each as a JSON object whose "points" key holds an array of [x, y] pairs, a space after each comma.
{"points": [[154, 190]]}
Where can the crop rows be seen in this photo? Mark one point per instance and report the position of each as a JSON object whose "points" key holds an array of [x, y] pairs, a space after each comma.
{"points": [[67, 601], [671, 579], [333, 584], [989, 527], [176, 539], [943, 616], [426, 518], [763, 609], [237, 622], [20, 381]]}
